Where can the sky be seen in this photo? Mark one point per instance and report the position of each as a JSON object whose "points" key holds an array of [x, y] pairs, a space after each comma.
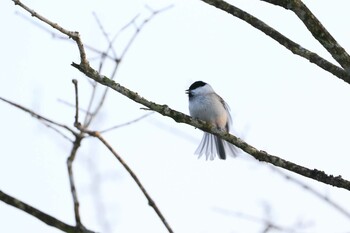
{"points": [[280, 103]]}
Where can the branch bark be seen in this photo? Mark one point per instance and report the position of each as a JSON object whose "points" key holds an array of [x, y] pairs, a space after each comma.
{"points": [[284, 41], [70, 161], [49, 220], [179, 117], [134, 177], [316, 28]]}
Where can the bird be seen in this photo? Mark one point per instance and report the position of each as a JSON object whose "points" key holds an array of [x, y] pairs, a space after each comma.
{"points": [[206, 105]]}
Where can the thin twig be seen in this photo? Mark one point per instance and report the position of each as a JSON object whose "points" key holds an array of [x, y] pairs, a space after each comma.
{"points": [[313, 191], [48, 219], [139, 28], [74, 35], [71, 105], [76, 119], [93, 114], [39, 117], [269, 225], [126, 123], [56, 130], [73, 189], [105, 34], [71, 158]]}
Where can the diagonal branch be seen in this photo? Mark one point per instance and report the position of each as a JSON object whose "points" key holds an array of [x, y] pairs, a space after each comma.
{"points": [[319, 32], [179, 117], [42, 119], [71, 34], [280, 38], [269, 224], [135, 178], [49, 220], [326, 199], [126, 123]]}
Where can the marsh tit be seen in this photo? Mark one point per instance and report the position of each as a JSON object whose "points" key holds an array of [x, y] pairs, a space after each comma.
{"points": [[206, 105]]}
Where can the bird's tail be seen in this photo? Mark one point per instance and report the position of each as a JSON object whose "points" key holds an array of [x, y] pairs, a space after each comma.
{"points": [[220, 149], [212, 145]]}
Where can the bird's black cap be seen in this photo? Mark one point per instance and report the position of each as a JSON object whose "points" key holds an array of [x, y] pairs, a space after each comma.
{"points": [[196, 85]]}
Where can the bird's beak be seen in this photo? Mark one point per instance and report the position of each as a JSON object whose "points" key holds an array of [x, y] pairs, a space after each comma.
{"points": [[187, 92]]}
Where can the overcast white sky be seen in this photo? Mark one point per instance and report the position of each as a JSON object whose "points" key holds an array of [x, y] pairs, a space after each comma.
{"points": [[281, 103]]}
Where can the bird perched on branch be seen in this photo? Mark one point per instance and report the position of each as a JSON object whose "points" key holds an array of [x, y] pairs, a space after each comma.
{"points": [[206, 105]]}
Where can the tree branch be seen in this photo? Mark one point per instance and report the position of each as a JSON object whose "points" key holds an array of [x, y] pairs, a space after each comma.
{"points": [[270, 226], [42, 119], [151, 202], [70, 160], [76, 144], [126, 123], [49, 220], [74, 35], [280, 38], [179, 117], [313, 191], [319, 32], [96, 134]]}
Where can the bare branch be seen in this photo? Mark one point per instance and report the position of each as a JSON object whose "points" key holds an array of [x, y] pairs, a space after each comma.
{"points": [[56, 130], [140, 27], [105, 34], [41, 118], [49, 220], [75, 82], [314, 192], [74, 35], [127, 123], [71, 158], [269, 225], [280, 38], [132, 174], [71, 105], [70, 161], [319, 32], [89, 118], [179, 117]]}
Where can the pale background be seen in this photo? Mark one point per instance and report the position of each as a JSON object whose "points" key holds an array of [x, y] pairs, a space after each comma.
{"points": [[281, 103]]}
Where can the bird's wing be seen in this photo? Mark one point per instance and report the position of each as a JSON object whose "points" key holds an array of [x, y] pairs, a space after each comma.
{"points": [[227, 107]]}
